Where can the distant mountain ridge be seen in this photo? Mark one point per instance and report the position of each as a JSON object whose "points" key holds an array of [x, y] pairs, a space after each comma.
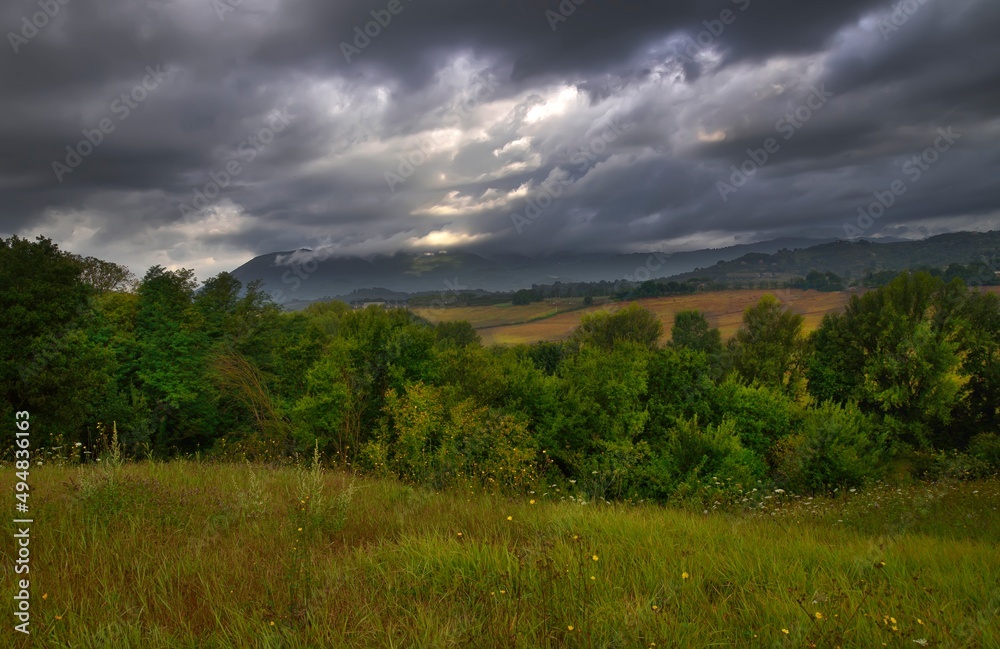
{"points": [[853, 259], [304, 280], [299, 277]]}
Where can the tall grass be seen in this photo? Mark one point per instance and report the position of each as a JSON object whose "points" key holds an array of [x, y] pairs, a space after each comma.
{"points": [[187, 554]]}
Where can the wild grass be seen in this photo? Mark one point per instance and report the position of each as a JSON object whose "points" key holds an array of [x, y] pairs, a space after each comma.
{"points": [[186, 554]]}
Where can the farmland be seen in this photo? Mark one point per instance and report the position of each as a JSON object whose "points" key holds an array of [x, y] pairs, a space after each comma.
{"points": [[553, 320]]}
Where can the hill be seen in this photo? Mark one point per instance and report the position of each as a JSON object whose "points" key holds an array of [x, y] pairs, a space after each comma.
{"points": [[306, 275], [853, 260]]}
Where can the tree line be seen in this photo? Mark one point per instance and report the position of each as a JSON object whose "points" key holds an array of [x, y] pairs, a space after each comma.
{"points": [[906, 375]]}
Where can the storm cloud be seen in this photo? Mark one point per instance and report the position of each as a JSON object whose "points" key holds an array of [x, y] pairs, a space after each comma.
{"points": [[200, 133]]}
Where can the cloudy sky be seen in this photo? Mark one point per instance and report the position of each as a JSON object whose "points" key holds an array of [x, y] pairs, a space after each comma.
{"points": [[200, 133]]}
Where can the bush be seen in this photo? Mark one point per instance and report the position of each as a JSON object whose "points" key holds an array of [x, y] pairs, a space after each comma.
{"points": [[428, 440], [839, 446], [763, 416], [986, 448], [714, 451]]}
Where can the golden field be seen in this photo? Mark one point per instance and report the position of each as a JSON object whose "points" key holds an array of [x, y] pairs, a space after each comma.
{"points": [[555, 319]]}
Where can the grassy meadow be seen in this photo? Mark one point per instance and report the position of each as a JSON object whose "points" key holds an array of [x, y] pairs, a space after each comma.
{"points": [[195, 554]]}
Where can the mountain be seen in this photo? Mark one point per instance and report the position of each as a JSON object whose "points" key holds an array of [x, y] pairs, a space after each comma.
{"points": [[852, 260], [305, 275]]}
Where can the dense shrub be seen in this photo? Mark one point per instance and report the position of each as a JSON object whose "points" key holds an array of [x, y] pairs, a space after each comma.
{"points": [[839, 446], [426, 439], [763, 416], [986, 448], [695, 452]]}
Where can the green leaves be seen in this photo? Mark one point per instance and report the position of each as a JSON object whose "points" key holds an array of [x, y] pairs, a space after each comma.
{"points": [[769, 347], [896, 351], [606, 329]]}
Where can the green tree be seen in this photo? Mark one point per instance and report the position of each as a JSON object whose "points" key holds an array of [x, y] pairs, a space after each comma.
{"points": [[601, 403], [692, 331], [525, 296], [769, 347], [838, 446], [978, 341], [105, 276], [607, 329], [894, 353], [50, 365], [456, 333], [174, 361]]}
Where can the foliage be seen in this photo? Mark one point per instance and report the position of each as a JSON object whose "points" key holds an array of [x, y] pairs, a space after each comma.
{"points": [[900, 384], [526, 296], [762, 416], [427, 439], [692, 330], [817, 281], [894, 352], [601, 402], [986, 448], [838, 446], [769, 346], [606, 329], [456, 333], [695, 452]]}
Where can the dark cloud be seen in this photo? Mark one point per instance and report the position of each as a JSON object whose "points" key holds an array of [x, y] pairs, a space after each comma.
{"points": [[445, 127]]}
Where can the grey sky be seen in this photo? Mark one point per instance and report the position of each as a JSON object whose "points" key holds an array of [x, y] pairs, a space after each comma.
{"points": [[632, 112]]}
